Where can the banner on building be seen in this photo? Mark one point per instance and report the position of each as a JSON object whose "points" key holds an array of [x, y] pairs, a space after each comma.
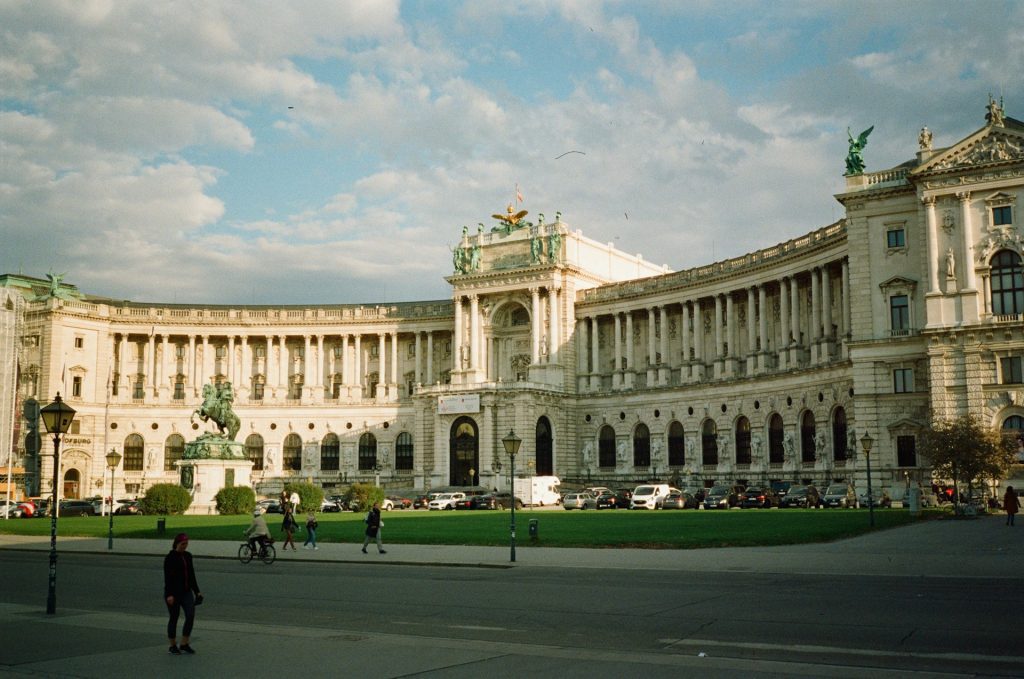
{"points": [[458, 405]]}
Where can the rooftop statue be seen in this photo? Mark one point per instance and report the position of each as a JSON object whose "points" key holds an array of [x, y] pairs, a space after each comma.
{"points": [[924, 140], [995, 115], [216, 406], [854, 159], [511, 221]]}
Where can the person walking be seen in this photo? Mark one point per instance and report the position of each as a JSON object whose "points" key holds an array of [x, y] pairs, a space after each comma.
{"points": [[181, 593], [288, 525], [311, 525], [1011, 504], [373, 526]]}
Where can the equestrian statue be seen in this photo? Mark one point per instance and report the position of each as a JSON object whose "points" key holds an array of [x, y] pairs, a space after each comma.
{"points": [[217, 399]]}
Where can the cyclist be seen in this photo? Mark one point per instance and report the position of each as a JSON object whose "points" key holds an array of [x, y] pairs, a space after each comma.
{"points": [[257, 532]]}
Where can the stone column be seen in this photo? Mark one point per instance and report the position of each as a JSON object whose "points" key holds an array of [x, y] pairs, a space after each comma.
{"points": [[190, 365], [202, 371], [595, 354], [617, 375], [553, 337], [665, 366], [733, 341], [762, 323], [794, 315], [382, 365], [396, 378], [150, 362], [283, 363], [751, 331], [417, 377], [474, 333], [652, 355], [430, 357], [318, 381], [845, 292], [268, 384], [246, 367], [230, 372], [457, 335], [630, 351], [785, 325], [684, 333], [698, 339], [535, 325], [357, 365], [826, 313], [346, 373], [719, 337], [124, 388], [933, 245], [814, 325]]}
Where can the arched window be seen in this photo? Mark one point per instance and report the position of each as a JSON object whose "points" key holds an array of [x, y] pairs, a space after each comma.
{"points": [[776, 437], [367, 452], [292, 455], [807, 431], [709, 443], [174, 448], [1013, 426], [839, 441], [404, 452], [1007, 279], [254, 451], [676, 445], [606, 447], [544, 446], [330, 452], [134, 449], [743, 441], [641, 446]]}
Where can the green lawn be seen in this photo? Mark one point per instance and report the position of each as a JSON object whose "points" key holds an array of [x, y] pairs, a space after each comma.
{"points": [[664, 529]]}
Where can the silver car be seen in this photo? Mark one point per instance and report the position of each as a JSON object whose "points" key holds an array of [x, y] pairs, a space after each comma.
{"points": [[579, 501]]}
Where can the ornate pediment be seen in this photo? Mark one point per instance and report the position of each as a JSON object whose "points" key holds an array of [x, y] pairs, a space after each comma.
{"points": [[992, 145]]}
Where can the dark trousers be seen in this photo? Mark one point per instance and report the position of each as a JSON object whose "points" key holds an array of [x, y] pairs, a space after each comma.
{"points": [[186, 602]]}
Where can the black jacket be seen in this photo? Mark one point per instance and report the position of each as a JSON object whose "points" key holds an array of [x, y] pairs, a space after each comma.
{"points": [[179, 575]]}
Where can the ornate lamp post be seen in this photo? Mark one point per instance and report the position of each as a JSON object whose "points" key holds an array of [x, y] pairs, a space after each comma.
{"points": [[57, 419], [113, 459], [865, 443], [512, 443]]}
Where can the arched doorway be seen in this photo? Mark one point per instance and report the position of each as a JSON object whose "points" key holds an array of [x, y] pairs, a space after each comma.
{"points": [[545, 457], [464, 453], [72, 485]]}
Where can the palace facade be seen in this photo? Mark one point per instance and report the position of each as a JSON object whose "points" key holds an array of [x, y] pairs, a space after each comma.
{"points": [[612, 370]]}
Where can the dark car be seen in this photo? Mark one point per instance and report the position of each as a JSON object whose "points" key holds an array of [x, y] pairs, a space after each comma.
{"points": [[613, 500], [758, 497], [420, 502], [680, 500], [782, 487], [465, 502], [128, 507], [839, 495], [721, 497], [494, 501], [801, 496], [77, 508]]}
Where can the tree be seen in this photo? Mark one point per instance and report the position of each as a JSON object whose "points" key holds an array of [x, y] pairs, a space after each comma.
{"points": [[310, 496], [965, 450]]}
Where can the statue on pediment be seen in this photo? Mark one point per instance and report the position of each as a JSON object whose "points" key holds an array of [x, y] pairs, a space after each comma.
{"points": [[995, 114], [924, 140], [854, 159]]}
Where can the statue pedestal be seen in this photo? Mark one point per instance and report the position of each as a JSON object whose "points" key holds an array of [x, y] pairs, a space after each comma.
{"points": [[209, 464]]}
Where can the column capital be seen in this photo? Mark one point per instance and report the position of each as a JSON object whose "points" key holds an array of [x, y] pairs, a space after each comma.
{"points": [[963, 196], [928, 200]]}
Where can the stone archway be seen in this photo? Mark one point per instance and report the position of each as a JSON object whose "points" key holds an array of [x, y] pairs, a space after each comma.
{"points": [[464, 453], [72, 489]]}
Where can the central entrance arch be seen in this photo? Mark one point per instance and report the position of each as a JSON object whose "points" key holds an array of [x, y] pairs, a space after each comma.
{"points": [[464, 453]]}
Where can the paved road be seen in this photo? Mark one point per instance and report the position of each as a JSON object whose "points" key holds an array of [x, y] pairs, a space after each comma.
{"points": [[878, 601]]}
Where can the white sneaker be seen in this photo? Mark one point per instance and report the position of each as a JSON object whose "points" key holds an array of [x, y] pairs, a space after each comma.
{"points": [[315, 547]]}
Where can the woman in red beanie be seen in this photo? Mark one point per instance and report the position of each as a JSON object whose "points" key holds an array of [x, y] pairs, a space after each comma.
{"points": [[181, 592]]}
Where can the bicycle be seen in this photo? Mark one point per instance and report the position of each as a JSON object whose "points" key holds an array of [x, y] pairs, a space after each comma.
{"points": [[266, 553]]}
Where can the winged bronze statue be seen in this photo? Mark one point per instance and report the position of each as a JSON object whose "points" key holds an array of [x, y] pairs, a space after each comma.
{"points": [[854, 159], [511, 220]]}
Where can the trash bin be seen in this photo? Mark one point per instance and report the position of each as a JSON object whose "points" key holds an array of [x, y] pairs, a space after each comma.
{"points": [[914, 497], [161, 526], [534, 528]]}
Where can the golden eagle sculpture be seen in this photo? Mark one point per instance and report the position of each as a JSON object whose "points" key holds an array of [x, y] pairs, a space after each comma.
{"points": [[511, 220]]}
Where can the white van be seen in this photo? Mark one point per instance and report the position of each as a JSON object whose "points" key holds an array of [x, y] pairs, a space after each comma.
{"points": [[649, 496]]}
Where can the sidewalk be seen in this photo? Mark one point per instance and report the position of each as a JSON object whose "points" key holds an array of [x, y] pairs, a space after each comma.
{"points": [[982, 547]]}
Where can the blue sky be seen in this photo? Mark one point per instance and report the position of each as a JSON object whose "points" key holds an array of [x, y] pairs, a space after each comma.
{"points": [[328, 151]]}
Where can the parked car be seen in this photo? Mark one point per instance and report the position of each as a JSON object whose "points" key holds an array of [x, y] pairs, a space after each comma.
{"points": [[721, 497], [327, 505], [465, 502], [782, 487], [839, 495], [596, 491], [801, 496], [445, 501], [495, 501], [758, 497], [387, 504], [696, 491], [579, 501], [270, 506], [400, 502], [420, 502], [613, 500], [678, 499], [649, 496], [10, 509], [78, 508], [128, 507]]}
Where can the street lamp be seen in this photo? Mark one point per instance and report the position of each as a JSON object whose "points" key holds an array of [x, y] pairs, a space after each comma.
{"points": [[865, 443], [57, 419], [113, 459], [512, 443]]}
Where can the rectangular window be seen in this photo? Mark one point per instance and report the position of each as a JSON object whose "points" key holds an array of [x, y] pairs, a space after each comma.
{"points": [[1012, 369], [179, 350], [221, 351], [257, 391], [1002, 215], [895, 238], [906, 451], [76, 386], [899, 312], [79, 342], [260, 351], [139, 391], [374, 350], [179, 390], [902, 380], [76, 427], [412, 349]]}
